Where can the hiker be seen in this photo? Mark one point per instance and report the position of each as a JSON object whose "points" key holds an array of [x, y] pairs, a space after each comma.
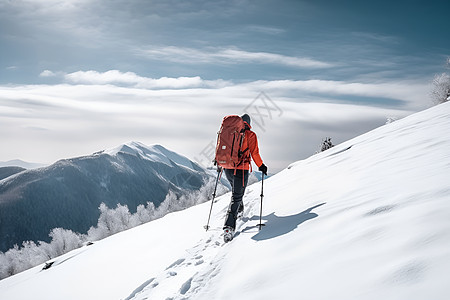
{"points": [[238, 175]]}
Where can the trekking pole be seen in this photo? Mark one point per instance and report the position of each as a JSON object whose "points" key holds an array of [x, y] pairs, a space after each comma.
{"points": [[214, 196], [262, 196]]}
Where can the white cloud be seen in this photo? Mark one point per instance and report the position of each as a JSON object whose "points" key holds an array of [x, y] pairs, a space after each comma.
{"points": [[46, 7], [132, 79], [47, 73], [271, 58], [230, 56], [413, 92], [266, 29]]}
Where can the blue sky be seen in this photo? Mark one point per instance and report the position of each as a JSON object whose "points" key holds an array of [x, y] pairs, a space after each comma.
{"points": [[81, 76]]}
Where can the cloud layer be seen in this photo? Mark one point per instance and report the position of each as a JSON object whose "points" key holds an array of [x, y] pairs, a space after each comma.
{"points": [[229, 56], [91, 110]]}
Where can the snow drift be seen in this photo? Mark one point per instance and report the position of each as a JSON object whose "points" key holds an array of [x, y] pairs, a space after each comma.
{"points": [[367, 219]]}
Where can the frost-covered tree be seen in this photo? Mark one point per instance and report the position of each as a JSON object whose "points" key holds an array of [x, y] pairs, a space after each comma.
{"points": [[441, 86], [31, 255], [143, 214], [8, 265], [63, 241], [111, 221], [17, 259]]}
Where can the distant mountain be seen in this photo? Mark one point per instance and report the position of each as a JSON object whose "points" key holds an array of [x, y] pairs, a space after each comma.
{"points": [[9, 171], [21, 163], [68, 193]]}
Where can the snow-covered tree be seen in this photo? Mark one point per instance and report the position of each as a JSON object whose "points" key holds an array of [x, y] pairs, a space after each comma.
{"points": [[326, 144], [441, 88], [390, 120], [16, 259], [143, 214], [111, 221], [63, 241], [8, 261]]}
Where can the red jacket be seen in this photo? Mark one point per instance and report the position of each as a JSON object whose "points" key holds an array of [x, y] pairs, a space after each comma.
{"points": [[251, 142]]}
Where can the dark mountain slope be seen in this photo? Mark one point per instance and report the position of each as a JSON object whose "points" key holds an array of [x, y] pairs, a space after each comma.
{"points": [[68, 193], [8, 171]]}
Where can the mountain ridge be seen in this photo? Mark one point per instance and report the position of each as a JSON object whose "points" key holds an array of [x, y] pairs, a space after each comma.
{"points": [[21, 163], [68, 193]]}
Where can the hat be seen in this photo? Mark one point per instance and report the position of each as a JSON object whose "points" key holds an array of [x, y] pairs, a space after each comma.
{"points": [[246, 118]]}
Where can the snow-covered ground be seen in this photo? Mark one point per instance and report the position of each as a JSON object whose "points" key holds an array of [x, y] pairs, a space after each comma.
{"points": [[367, 219]]}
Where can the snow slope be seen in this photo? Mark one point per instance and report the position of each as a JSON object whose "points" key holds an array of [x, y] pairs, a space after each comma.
{"points": [[367, 219]]}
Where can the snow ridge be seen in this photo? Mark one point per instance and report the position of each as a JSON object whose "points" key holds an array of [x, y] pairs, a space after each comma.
{"points": [[156, 153]]}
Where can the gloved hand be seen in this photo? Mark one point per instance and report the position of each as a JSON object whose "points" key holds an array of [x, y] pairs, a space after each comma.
{"points": [[219, 169], [263, 169]]}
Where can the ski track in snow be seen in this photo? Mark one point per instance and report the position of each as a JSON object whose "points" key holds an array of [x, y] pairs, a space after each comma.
{"points": [[190, 274], [188, 277]]}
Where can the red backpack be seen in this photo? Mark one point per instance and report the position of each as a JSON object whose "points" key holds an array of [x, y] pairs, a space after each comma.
{"points": [[229, 154]]}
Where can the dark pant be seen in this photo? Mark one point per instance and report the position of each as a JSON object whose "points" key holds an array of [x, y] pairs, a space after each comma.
{"points": [[238, 183]]}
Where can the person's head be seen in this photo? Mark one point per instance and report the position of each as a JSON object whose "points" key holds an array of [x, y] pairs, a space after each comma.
{"points": [[246, 119]]}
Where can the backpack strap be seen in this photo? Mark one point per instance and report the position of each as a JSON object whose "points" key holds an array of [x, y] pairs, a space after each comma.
{"points": [[241, 153]]}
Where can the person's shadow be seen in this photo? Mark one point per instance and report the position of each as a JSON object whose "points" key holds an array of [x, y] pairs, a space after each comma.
{"points": [[277, 226]]}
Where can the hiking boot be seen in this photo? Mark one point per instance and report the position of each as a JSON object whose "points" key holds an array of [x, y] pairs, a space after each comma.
{"points": [[228, 234]]}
